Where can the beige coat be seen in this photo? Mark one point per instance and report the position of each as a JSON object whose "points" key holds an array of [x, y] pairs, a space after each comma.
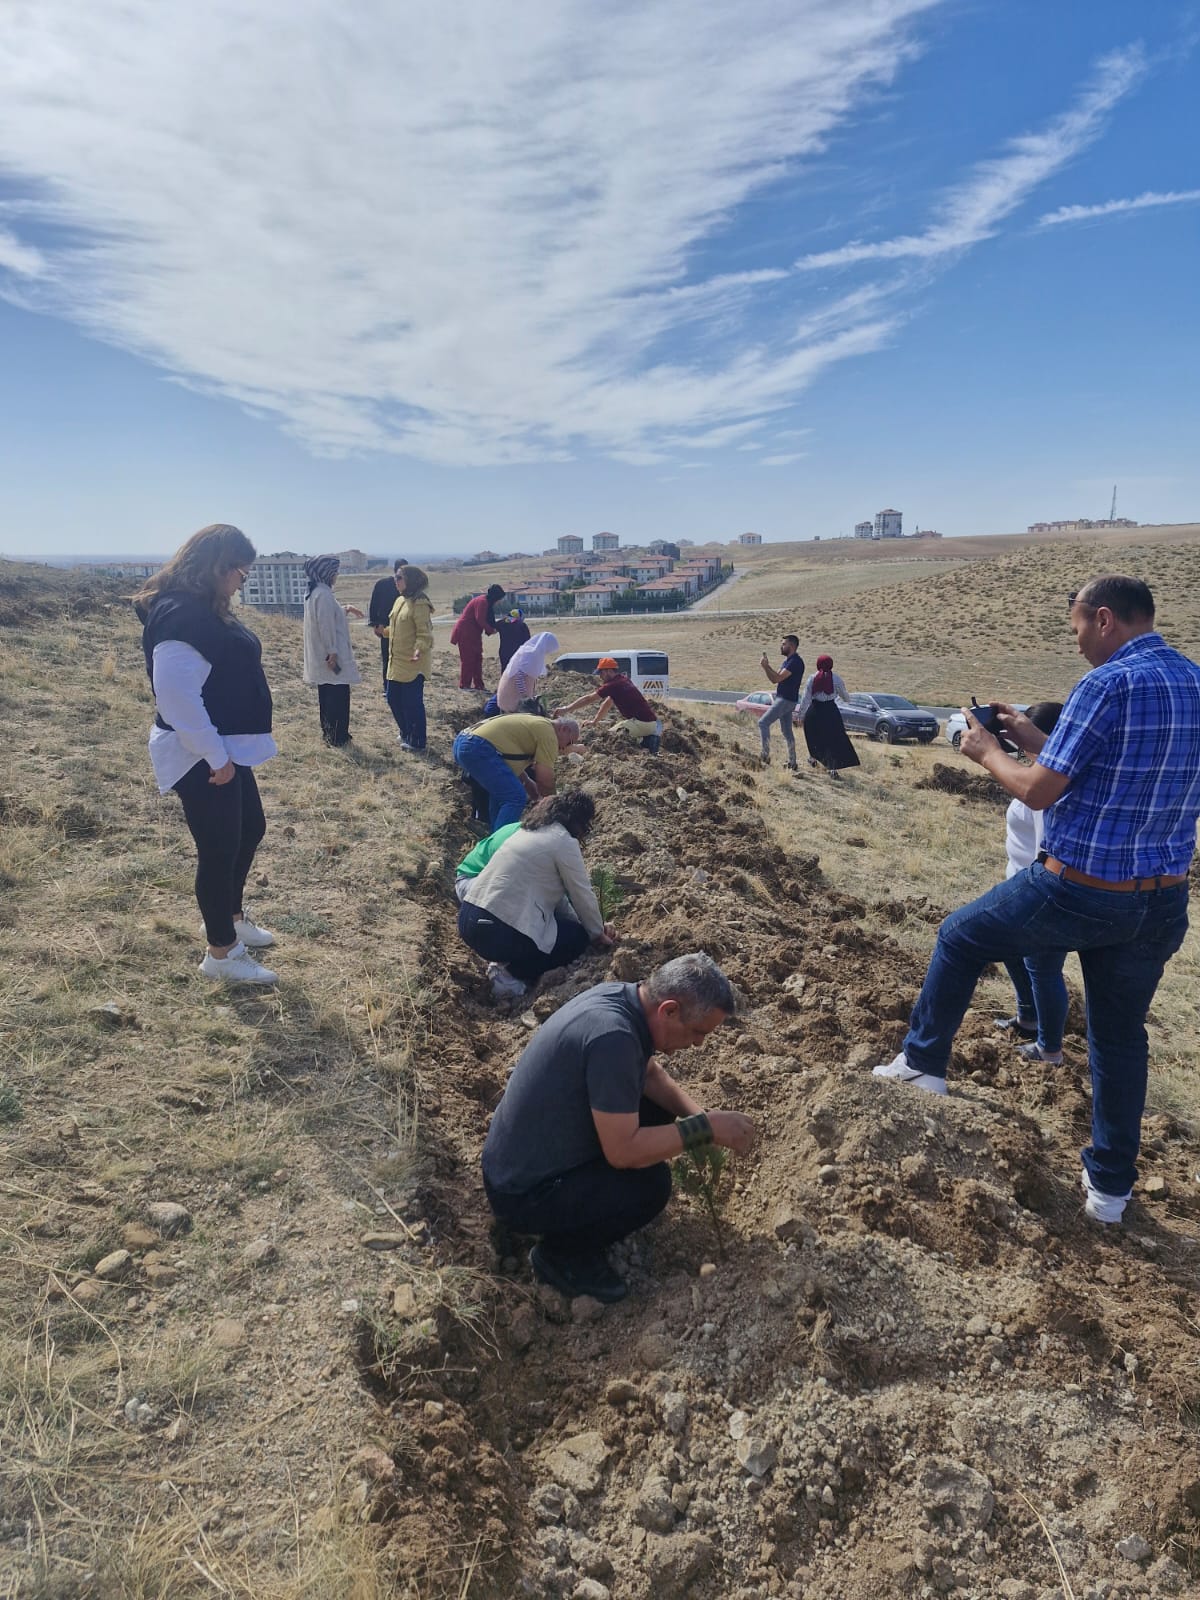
{"points": [[523, 883], [410, 628], [326, 633]]}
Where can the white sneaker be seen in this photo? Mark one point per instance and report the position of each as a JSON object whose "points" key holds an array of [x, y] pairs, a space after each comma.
{"points": [[900, 1070], [239, 966], [248, 932], [1106, 1208], [504, 985], [251, 935]]}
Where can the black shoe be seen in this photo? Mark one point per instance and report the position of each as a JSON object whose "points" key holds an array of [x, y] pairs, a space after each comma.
{"points": [[575, 1275], [1018, 1029], [651, 743]]}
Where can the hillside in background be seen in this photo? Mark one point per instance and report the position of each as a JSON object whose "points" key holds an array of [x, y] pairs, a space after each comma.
{"points": [[915, 1369]]}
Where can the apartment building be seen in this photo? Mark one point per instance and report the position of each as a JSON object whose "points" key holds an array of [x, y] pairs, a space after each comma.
{"points": [[277, 583]]}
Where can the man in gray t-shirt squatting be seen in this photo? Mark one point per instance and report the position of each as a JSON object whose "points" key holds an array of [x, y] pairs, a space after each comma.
{"points": [[579, 1146]]}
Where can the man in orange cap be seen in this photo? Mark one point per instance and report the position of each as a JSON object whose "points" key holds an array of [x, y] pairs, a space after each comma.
{"points": [[636, 714]]}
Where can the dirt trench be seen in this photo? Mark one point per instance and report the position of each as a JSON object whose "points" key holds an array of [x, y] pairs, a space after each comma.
{"points": [[918, 1370]]}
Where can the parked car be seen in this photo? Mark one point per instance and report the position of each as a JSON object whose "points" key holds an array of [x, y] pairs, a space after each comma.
{"points": [[956, 726], [756, 702], [889, 717]]}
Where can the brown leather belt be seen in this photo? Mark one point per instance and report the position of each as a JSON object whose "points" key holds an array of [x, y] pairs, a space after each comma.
{"points": [[1128, 886]]}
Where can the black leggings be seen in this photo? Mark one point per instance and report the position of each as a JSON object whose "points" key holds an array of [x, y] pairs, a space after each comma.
{"points": [[226, 821], [333, 699], [592, 1206], [497, 941]]}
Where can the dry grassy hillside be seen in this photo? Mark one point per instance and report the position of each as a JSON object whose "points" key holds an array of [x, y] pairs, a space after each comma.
{"points": [[334, 1381]]}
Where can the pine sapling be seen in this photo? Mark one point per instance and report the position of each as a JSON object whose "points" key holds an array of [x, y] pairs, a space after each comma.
{"points": [[609, 893], [698, 1173]]}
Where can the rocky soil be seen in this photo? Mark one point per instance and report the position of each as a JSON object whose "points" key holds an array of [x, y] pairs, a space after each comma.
{"points": [[918, 1370]]}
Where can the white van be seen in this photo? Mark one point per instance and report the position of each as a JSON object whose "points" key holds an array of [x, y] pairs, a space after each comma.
{"points": [[647, 670]]}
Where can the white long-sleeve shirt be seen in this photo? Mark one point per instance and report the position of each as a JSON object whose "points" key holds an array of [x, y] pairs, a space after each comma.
{"points": [[1023, 830], [179, 674], [839, 693]]}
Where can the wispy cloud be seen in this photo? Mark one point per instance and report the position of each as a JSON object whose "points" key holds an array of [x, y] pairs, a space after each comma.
{"points": [[20, 259], [1112, 208], [970, 212], [464, 235], [784, 460]]}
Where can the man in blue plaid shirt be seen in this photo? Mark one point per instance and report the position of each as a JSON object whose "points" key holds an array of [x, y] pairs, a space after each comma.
{"points": [[1119, 779]]}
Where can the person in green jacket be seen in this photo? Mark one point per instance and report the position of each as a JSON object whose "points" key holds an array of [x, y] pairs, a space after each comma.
{"points": [[473, 863]]}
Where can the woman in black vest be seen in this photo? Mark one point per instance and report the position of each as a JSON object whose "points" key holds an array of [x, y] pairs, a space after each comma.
{"points": [[213, 726]]}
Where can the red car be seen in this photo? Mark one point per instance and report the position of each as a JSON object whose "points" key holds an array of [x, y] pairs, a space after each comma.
{"points": [[756, 702]]}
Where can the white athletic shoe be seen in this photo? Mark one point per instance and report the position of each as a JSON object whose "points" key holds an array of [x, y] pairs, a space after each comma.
{"points": [[901, 1072], [239, 966], [504, 985], [248, 932], [1106, 1208]]}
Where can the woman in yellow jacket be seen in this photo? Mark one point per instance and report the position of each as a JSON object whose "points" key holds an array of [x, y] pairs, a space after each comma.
{"points": [[410, 646]]}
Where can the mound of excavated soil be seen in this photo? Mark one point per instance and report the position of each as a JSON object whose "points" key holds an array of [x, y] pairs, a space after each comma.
{"points": [[914, 1339], [967, 785]]}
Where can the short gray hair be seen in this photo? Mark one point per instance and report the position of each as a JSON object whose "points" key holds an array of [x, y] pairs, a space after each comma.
{"points": [[568, 725], [698, 984]]}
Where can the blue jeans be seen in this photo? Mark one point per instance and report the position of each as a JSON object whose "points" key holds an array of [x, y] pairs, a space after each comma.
{"points": [[1041, 996], [481, 761], [780, 711], [406, 701], [1124, 943]]}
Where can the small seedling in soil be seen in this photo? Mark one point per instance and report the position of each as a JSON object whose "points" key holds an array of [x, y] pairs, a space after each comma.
{"points": [[609, 893], [699, 1173]]}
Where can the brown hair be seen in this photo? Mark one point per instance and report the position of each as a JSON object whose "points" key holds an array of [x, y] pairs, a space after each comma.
{"points": [[416, 582], [575, 810], [196, 566]]}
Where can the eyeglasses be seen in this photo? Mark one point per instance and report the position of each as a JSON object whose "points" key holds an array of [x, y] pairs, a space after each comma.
{"points": [[242, 572], [1071, 598]]}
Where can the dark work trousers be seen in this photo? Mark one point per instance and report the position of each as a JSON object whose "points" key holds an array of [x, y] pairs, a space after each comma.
{"points": [[590, 1207], [496, 941], [334, 702], [226, 821], [406, 701], [383, 654]]}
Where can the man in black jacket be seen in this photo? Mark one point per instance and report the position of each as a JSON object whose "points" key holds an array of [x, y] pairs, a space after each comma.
{"points": [[383, 598]]}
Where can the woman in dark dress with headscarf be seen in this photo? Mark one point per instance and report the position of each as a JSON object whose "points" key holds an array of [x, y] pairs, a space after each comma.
{"points": [[824, 731]]}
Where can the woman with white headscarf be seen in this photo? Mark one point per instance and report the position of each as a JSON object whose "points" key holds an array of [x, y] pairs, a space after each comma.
{"points": [[520, 678], [328, 654]]}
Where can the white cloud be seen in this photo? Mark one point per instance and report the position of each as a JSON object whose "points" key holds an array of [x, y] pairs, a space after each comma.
{"points": [[461, 232], [20, 259], [1111, 208], [970, 212], [784, 460]]}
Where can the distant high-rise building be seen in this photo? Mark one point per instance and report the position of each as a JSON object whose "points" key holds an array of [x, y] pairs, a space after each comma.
{"points": [[276, 583], [570, 544], [864, 530], [749, 538], [606, 541], [887, 524], [665, 547]]}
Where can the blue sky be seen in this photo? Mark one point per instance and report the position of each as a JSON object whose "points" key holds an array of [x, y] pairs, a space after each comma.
{"points": [[427, 280]]}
